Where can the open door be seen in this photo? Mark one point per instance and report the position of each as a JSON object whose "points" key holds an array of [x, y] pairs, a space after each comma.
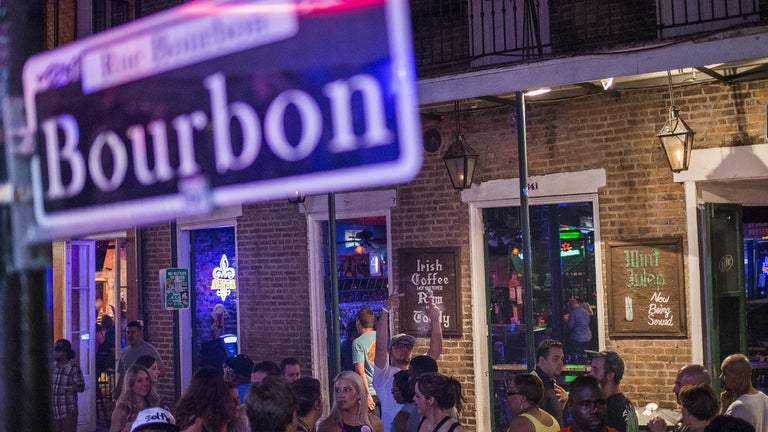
{"points": [[80, 322], [725, 315]]}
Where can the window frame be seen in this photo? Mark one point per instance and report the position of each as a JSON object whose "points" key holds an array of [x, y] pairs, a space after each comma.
{"points": [[550, 189]]}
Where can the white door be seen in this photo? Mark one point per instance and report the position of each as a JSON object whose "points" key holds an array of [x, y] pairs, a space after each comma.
{"points": [[80, 322]]}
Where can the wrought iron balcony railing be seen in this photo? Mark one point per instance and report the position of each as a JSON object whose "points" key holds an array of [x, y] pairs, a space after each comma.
{"points": [[454, 36]]}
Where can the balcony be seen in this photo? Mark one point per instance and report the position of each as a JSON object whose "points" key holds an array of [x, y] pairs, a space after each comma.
{"points": [[459, 36]]}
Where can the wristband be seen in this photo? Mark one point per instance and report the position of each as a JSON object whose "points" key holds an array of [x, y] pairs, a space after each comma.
{"points": [[385, 309]]}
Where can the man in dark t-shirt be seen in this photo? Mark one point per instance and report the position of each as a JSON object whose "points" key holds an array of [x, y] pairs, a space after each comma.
{"points": [[608, 368], [549, 365]]}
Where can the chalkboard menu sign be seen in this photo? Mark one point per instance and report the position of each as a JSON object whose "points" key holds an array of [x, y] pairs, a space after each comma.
{"points": [[430, 275], [646, 297]]}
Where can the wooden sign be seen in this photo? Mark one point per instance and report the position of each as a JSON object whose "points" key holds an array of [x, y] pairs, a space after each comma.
{"points": [[430, 275], [646, 296]]}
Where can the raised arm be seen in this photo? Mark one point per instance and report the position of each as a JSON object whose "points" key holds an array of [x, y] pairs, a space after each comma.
{"points": [[436, 332], [381, 357]]}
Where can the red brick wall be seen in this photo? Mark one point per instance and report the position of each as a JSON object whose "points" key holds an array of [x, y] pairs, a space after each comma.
{"points": [[429, 213], [274, 296], [158, 323]]}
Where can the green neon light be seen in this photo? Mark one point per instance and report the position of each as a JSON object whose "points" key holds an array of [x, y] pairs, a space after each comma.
{"points": [[569, 235]]}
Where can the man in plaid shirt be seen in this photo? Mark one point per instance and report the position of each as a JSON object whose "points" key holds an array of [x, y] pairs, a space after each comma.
{"points": [[66, 382]]}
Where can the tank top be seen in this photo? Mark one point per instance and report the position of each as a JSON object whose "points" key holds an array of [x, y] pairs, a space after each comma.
{"points": [[442, 422], [347, 428], [539, 426]]}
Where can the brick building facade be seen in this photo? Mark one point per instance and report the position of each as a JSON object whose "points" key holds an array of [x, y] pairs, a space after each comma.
{"points": [[611, 132], [639, 201]]}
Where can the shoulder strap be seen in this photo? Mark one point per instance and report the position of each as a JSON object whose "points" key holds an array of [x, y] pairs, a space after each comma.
{"points": [[442, 422], [453, 427], [420, 423]]}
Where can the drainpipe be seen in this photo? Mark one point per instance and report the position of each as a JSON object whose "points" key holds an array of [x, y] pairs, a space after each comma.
{"points": [[334, 344]]}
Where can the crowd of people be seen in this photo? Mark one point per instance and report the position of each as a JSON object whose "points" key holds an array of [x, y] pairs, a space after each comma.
{"points": [[595, 402], [390, 390], [241, 395]]}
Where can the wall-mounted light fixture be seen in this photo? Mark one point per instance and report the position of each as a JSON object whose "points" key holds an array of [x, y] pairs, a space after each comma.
{"points": [[460, 159], [537, 91], [676, 136]]}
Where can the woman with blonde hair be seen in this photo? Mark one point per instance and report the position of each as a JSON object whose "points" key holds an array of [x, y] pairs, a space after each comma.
{"points": [[524, 393], [350, 407], [137, 394]]}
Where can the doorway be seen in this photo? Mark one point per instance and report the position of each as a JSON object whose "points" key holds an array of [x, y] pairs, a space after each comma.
{"points": [[357, 215], [736, 298], [362, 261], [91, 303], [732, 175]]}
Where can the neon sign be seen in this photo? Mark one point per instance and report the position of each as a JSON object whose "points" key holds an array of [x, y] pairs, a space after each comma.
{"points": [[223, 278]]}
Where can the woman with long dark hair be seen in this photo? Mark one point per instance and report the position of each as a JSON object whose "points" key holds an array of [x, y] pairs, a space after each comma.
{"points": [[209, 404], [435, 395]]}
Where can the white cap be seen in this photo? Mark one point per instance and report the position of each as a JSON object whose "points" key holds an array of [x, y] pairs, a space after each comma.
{"points": [[156, 418]]}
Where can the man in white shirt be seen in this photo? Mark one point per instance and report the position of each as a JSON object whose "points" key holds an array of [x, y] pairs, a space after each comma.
{"points": [[394, 355], [739, 398]]}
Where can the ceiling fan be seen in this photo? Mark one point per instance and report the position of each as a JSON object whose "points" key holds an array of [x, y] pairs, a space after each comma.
{"points": [[362, 239]]}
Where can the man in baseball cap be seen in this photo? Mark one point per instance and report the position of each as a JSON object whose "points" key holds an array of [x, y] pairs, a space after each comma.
{"points": [[608, 368], [237, 370], [402, 338], [154, 420], [393, 355]]}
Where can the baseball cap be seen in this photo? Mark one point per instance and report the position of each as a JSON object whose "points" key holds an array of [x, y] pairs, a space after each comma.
{"points": [[155, 418], [62, 345], [612, 360], [241, 364], [402, 337], [66, 346]]}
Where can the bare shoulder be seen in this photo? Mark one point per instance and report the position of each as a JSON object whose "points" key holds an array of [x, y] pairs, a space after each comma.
{"points": [[521, 424], [545, 418], [118, 419]]}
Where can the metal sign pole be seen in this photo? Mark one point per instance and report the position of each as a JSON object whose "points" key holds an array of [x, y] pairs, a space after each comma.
{"points": [[525, 220], [24, 377]]}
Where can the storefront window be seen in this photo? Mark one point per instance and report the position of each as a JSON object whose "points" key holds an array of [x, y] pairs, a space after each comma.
{"points": [[563, 278], [213, 264]]}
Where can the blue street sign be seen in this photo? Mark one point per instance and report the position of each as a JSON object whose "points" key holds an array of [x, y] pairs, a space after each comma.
{"points": [[215, 103]]}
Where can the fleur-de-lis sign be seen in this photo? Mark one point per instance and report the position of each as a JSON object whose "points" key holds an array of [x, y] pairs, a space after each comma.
{"points": [[223, 278]]}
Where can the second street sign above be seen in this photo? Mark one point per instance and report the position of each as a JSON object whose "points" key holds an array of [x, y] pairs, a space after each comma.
{"points": [[216, 103]]}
